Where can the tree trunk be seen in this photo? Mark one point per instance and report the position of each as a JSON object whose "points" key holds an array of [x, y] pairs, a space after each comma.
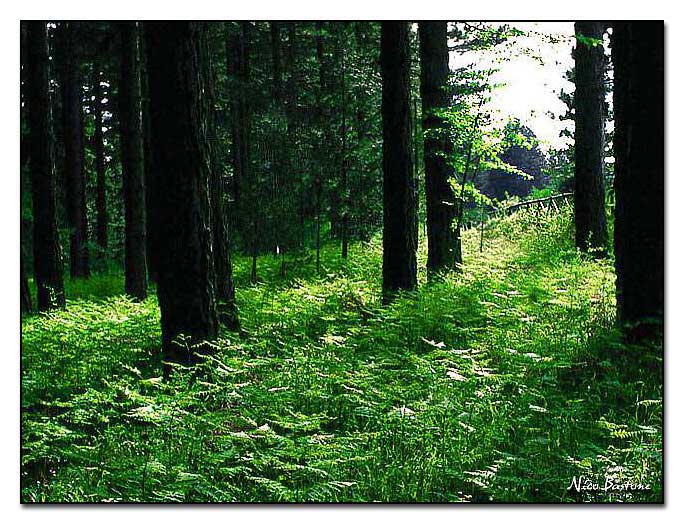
{"points": [[74, 173], [290, 189], [47, 259], [416, 131], [343, 163], [281, 153], [237, 52], [293, 154], [275, 55], [100, 167], [225, 290], [321, 119], [399, 241], [181, 166], [638, 55], [147, 155], [438, 149], [132, 164], [321, 114], [334, 197], [590, 213]]}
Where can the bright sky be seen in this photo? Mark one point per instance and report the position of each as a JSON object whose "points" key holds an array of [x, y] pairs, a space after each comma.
{"points": [[531, 88]]}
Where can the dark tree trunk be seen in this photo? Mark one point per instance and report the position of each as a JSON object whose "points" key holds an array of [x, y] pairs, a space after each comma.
{"points": [[343, 163], [100, 167], [590, 212], [47, 259], [331, 83], [275, 54], [74, 173], [147, 156], [132, 163], [415, 131], [225, 290], [322, 115], [638, 55], [293, 153], [237, 52], [181, 166], [399, 241], [281, 155], [288, 190], [438, 149]]}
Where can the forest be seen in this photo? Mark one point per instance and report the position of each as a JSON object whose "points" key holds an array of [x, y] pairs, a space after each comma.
{"points": [[305, 262]]}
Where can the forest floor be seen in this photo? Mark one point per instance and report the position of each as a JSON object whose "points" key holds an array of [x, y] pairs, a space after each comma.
{"points": [[499, 383]]}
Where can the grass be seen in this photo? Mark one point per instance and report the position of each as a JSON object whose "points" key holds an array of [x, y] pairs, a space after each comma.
{"points": [[499, 383]]}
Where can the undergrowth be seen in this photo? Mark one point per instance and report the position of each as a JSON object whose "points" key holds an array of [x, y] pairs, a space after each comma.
{"points": [[499, 383]]}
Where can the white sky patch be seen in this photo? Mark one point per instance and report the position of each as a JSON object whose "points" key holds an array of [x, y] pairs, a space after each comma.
{"points": [[531, 88]]}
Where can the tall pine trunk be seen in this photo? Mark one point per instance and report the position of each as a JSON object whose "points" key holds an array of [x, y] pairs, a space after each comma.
{"points": [[74, 172], [100, 167], [438, 149], [47, 259], [181, 166], [135, 265], [282, 167], [277, 87], [399, 241], [638, 55], [225, 290], [343, 132], [147, 154], [237, 63], [322, 117], [590, 213]]}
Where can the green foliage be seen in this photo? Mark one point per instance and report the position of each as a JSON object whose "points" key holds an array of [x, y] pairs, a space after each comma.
{"points": [[543, 192], [588, 41], [499, 383]]}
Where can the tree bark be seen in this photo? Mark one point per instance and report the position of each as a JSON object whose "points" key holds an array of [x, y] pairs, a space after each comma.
{"points": [[440, 202], [181, 166], [74, 172], [225, 290], [321, 119], [147, 155], [638, 55], [100, 167], [135, 265], [343, 163], [275, 55], [331, 82], [294, 127], [399, 241], [590, 213], [237, 52], [47, 259], [282, 162]]}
